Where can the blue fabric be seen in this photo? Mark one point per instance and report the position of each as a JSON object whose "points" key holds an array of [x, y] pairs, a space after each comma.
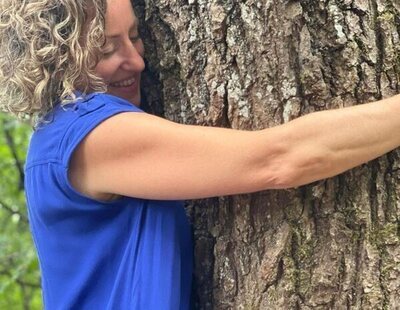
{"points": [[130, 253]]}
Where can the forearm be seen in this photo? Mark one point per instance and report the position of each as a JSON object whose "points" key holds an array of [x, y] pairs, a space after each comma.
{"points": [[324, 144]]}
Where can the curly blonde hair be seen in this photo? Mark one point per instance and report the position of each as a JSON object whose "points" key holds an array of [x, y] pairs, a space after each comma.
{"points": [[48, 50]]}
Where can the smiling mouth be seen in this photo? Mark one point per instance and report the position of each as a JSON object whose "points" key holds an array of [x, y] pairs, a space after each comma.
{"points": [[124, 83]]}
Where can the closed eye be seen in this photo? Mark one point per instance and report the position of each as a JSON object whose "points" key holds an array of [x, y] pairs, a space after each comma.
{"points": [[134, 39], [107, 52]]}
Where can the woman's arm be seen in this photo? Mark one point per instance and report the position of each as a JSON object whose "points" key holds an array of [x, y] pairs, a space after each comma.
{"points": [[140, 155], [324, 144]]}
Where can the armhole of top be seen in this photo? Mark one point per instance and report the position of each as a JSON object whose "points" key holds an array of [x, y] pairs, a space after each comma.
{"points": [[86, 123]]}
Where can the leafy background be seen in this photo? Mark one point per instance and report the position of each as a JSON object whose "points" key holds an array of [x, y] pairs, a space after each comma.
{"points": [[19, 270]]}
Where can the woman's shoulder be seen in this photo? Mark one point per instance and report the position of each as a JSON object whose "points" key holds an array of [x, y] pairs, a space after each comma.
{"points": [[63, 114], [67, 124]]}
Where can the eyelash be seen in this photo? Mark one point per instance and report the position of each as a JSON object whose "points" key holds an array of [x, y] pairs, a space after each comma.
{"points": [[132, 39]]}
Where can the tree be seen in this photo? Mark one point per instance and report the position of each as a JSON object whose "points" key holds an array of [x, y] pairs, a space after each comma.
{"points": [[247, 64]]}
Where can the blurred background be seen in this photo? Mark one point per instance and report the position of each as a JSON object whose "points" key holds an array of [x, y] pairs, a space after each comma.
{"points": [[19, 269]]}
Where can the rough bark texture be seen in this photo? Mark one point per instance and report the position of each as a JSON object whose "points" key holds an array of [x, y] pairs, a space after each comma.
{"points": [[252, 64]]}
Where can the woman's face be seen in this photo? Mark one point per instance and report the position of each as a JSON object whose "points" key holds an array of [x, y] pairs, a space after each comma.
{"points": [[122, 60]]}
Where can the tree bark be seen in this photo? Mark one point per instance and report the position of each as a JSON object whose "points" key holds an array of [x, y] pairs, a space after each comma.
{"points": [[252, 64]]}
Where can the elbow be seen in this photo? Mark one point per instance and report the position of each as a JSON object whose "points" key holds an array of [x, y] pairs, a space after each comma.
{"points": [[301, 170], [291, 163], [284, 178]]}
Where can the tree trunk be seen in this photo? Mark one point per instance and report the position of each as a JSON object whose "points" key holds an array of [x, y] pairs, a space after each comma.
{"points": [[252, 64]]}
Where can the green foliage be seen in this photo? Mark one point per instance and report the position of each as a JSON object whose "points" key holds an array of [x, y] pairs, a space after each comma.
{"points": [[19, 272]]}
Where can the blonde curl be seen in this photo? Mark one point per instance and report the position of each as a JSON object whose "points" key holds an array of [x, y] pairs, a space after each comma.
{"points": [[48, 50]]}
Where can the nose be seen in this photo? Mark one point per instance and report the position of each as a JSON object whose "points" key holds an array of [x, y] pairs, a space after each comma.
{"points": [[133, 56]]}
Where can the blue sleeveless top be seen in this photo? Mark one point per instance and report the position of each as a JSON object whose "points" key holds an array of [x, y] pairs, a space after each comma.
{"points": [[129, 253]]}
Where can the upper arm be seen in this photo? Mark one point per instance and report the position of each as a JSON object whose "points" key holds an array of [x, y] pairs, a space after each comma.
{"points": [[144, 156]]}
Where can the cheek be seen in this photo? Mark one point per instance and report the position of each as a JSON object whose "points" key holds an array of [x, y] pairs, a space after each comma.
{"points": [[105, 69]]}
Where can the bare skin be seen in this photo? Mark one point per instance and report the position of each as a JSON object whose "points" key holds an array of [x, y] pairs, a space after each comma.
{"points": [[144, 156], [140, 155]]}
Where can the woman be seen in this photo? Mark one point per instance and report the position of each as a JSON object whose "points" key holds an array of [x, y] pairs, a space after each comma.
{"points": [[104, 180]]}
